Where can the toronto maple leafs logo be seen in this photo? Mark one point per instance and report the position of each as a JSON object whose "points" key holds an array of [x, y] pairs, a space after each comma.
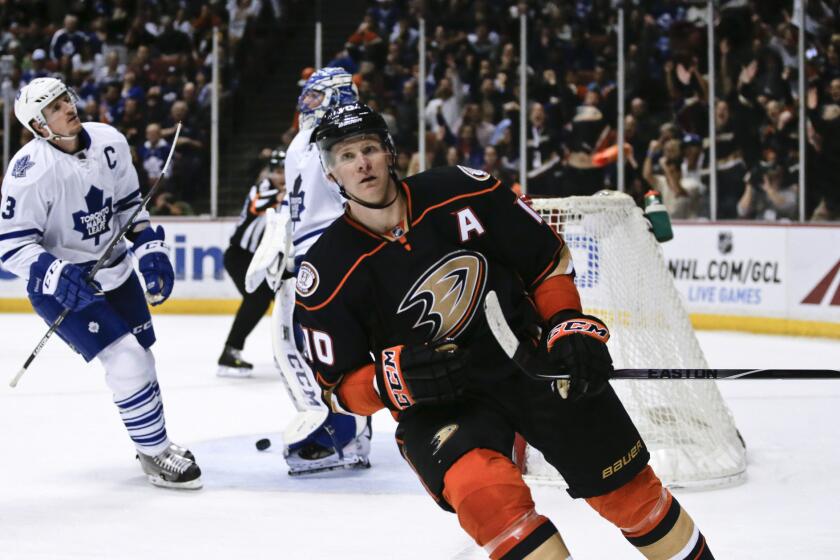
{"points": [[296, 206], [22, 166], [97, 219]]}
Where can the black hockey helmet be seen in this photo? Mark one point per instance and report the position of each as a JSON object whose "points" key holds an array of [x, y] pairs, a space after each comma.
{"points": [[277, 158], [347, 121]]}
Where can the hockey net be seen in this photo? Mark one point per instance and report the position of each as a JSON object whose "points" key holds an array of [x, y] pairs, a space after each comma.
{"points": [[623, 279]]}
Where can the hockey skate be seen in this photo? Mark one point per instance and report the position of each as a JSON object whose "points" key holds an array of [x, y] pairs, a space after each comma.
{"points": [[171, 470], [231, 364], [342, 442], [182, 451]]}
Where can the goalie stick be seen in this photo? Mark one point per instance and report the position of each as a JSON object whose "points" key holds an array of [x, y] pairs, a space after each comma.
{"points": [[525, 356], [99, 263]]}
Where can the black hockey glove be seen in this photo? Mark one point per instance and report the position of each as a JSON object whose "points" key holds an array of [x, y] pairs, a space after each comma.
{"points": [[409, 375], [577, 345], [265, 197]]}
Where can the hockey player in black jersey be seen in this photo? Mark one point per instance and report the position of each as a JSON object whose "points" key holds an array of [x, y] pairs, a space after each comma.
{"points": [[266, 194], [390, 301]]}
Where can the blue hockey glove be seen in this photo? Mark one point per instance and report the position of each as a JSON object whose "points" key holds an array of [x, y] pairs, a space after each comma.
{"points": [[153, 257], [64, 281]]}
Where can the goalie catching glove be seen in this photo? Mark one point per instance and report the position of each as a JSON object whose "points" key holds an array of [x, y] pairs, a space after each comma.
{"points": [[273, 261], [576, 344], [411, 375]]}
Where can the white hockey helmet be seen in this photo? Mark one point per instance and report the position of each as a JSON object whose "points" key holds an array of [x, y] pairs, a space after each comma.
{"points": [[34, 97]]}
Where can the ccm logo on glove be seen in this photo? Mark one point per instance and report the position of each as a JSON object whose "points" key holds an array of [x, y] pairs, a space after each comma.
{"points": [[589, 327], [397, 389], [423, 374]]}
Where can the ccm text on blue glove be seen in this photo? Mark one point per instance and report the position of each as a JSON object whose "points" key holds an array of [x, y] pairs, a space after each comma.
{"points": [[153, 259], [64, 281]]}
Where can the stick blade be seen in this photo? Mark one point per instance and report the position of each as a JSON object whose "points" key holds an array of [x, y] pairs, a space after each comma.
{"points": [[13, 383], [499, 325]]}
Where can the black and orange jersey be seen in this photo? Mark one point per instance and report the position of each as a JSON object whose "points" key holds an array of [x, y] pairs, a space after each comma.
{"points": [[465, 234]]}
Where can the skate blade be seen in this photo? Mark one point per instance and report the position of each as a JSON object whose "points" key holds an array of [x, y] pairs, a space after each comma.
{"points": [[234, 372], [196, 484], [361, 464]]}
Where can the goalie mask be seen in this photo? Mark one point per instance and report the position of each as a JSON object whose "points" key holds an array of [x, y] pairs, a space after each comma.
{"points": [[325, 88], [34, 97], [353, 121]]}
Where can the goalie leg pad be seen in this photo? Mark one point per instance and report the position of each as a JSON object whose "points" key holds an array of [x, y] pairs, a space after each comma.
{"points": [[495, 508], [295, 371], [303, 425], [652, 519], [341, 442]]}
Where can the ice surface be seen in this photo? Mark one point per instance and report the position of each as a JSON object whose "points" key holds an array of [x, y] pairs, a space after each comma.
{"points": [[70, 487]]}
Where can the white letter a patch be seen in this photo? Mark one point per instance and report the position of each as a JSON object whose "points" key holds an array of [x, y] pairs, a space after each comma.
{"points": [[468, 224]]}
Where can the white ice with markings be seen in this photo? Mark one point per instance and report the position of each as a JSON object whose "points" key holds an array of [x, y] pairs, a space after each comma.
{"points": [[70, 487]]}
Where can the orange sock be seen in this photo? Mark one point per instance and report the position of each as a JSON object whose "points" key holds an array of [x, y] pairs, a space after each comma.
{"points": [[495, 508], [652, 519]]}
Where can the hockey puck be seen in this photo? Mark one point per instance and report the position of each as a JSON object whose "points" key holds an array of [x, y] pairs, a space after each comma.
{"points": [[263, 444]]}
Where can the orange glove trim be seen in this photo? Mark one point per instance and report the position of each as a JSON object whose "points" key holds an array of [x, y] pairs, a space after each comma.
{"points": [[582, 325], [555, 294], [396, 386], [357, 392]]}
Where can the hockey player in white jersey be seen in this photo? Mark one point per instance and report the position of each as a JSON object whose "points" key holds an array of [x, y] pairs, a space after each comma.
{"points": [[65, 195], [316, 439]]}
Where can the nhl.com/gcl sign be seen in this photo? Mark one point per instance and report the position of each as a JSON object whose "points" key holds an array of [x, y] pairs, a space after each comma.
{"points": [[773, 271]]}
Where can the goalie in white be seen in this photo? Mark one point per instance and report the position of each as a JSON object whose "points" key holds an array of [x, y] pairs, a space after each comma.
{"points": [[316, 439]]}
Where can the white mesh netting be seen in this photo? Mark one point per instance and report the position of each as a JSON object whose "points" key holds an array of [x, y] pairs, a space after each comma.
{"points": [[623, 279]]}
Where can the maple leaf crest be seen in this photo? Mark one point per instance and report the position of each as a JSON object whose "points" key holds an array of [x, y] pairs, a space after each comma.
{"points": [[296, 206], [96, 221], [21, 166]]}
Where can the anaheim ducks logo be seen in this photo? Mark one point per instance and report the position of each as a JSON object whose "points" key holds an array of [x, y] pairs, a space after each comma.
{"points": [[442, 436], [477, 174], [448, 294]]}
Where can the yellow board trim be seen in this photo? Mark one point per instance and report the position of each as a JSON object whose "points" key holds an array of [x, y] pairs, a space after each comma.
{"points": [[171, 307], [15, 306], [701, 321], [765, 325]]}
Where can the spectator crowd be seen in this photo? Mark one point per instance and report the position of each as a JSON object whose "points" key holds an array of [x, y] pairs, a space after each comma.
{"points": [[472, 87], [144, 66], [141, 67]]}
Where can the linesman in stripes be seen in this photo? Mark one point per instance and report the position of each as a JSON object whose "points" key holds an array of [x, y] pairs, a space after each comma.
{"points": [[245, 239]]}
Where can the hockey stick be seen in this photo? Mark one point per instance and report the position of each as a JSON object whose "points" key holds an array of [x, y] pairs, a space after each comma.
{"points": [[526, 357], [101, 262]]}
